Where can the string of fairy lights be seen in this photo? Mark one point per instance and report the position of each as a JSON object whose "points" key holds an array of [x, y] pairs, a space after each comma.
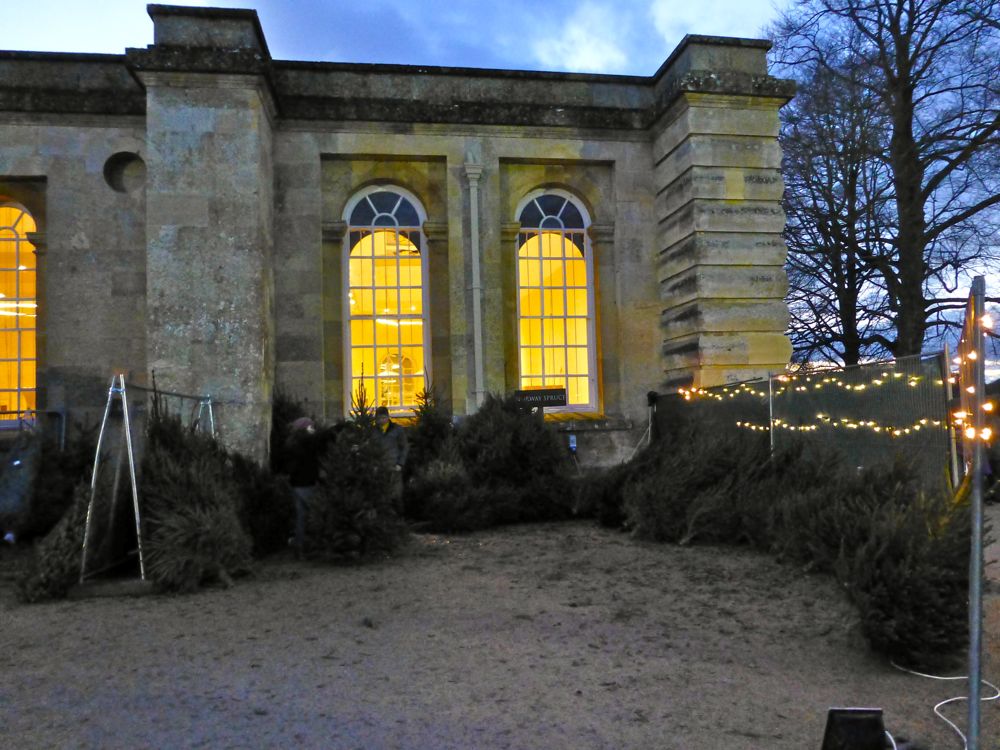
{"points": [[813, 382], [964, 418]]}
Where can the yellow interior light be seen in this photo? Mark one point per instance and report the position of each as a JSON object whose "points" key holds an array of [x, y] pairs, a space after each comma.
{"points": [[988, 406], [970, 432], [972, 354], [986, 434]]}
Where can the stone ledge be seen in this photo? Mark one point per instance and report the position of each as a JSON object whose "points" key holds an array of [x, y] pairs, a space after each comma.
{"points": [[592, 424]]}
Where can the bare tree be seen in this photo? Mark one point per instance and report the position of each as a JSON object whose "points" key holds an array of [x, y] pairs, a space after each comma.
{"points": [[930, 73], [835, 202]]}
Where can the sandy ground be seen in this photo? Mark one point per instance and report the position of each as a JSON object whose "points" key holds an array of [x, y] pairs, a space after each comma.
{"points": [[555, 636]]}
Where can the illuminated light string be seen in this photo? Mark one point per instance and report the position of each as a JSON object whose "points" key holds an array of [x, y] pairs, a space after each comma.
{"points": [[814, 382], [817, 382], [847, 424]]}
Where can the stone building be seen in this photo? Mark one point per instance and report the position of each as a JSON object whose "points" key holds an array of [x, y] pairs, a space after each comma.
{"points": [[238, 223]]}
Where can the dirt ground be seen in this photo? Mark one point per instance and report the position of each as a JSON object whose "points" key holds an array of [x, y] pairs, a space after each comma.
{"points": [[554, 636]]}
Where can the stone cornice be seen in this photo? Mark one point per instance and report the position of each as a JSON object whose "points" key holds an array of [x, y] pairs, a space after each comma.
{"points": [[601, 234], [436, 231], [509, 231], [320, 92], [333, 231]]}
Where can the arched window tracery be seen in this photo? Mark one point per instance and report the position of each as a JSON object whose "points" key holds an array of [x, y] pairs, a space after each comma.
{"points": [[555, 292], [386, 331]]}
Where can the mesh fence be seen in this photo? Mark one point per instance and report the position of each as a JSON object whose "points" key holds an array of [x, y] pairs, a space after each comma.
{"points": [[869, 413]]}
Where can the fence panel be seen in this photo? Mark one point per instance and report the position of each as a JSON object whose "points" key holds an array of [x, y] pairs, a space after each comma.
{"points": [[869, 413]]}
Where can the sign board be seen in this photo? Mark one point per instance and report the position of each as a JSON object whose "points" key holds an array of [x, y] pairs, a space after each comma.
{"points": [[540, 397]]}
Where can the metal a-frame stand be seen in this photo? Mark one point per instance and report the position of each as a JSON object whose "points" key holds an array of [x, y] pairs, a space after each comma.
{"points": [[116, 391]]}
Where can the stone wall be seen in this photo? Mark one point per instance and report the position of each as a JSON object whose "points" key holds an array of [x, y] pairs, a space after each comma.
{"points": [[91, 251], [193, 202]]}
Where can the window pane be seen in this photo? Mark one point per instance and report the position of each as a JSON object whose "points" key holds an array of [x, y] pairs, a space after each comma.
{"points": [[388, 392], [577, 361], [27, 373], [551, 205], [409, 271], [571, 217], [555, 361], [576, 331], [531, 332], [387, 333], [26, 256], [530, 216], [9, 404], [552, 244], [362, 360], [406, 214], [386, 302], [8, 252], [553, 273], [360, 272], [362, 214], [578, 391], [576, 273], [28, 344], [28, 400], [385, 202], [363, 247], [363, 333], [528, 270], [369, 387], [554, 332], [574, 245], [8, 375], [8, 284], [361, 301], [8, 344], [531, 302], [531, 361], [411, 302], [577, 299], [554, 302], [529, 246], [386, 272]]}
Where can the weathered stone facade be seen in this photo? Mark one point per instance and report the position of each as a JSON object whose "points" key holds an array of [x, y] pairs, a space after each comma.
{"points": [[190, 201]]}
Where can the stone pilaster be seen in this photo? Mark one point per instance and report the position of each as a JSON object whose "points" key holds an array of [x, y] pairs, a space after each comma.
{"points": [[209, 203], [719, 221]]}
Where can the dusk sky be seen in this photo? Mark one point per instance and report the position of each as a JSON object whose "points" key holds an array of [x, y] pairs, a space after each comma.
{"points": [[601, 36]]}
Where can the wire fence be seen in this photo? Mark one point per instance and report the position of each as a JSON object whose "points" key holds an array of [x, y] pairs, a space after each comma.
{"points": [[870, 413]]}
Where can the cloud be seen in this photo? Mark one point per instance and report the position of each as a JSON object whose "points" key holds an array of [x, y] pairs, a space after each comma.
{"points": [[588, 41], [675, 18]]}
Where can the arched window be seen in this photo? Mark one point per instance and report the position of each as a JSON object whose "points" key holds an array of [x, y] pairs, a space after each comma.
{"points": [[555, 298], [386, 344], [17, 312]]}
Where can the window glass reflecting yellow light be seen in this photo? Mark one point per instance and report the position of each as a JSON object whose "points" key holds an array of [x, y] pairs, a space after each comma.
{"points": [[386, 306], [18, 313], [553, 305]]}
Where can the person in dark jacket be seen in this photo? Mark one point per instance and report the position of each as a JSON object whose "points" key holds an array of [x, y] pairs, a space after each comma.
{"points": [[302, 464], [393, 440]]}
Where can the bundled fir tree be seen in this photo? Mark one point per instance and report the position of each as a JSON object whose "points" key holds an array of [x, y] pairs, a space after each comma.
{"points": [[191, 507], [55, 486], [351, 514], [503, 465], [55, 567]]}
